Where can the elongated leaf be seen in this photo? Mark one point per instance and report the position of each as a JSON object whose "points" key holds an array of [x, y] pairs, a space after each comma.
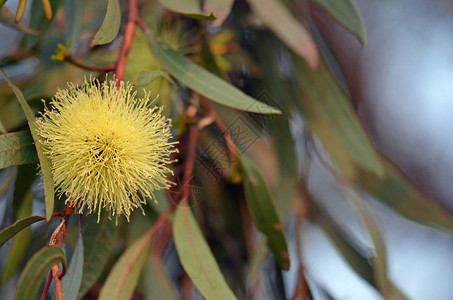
{"points": [[123, 278], [73, 279], [2, 2], [329, 114], [43, 159], [220, 8], [157, 283], [2, 128], [277, 17], [197, 258], [397, 192], [11, 230], [146, 77], [110, 25], [98, 240], [35, 271], [16, 149], [265, 215], [346, 14], [202, 81], [189, 8]]}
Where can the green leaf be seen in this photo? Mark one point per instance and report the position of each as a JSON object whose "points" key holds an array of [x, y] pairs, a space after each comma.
{"points": [[280, 20], [157, 284], [72, 280], [17, 148], [264, 213], [146, 77], [220, 8], [123, 278], [39, 22], [2, 128], [110, 25], [197, 258], [202, 81], [379, 259], [329, 114], [43, 159], [2, 2], [396, 191], [11, 230], [345, 12], [20, 242], [35, 271], [98, 241], [189, 8]]}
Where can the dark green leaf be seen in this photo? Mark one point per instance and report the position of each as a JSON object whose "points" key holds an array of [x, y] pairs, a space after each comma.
{"points": [[202, 81], [264, 213], [2, 2], [72, 280], [197, 258], [146, 77], [110, 25], [43, 159], [11, 230], [345, 13], [280, 20], [123, 278], [189, 8], [220, 8], [98, 240], [396, 191], [17, 148], [35, 271]]}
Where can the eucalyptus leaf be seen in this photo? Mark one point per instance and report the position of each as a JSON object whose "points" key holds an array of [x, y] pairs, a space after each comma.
{"points": [[110, 25], [189, 8], [220, 8], [196, 257], [17, 148], [43, 159], [146, 77], [11, 230], [73, 279], [36, 269]]}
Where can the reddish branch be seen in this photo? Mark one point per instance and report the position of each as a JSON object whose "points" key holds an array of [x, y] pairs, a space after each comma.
{"points": [[129, 30]]}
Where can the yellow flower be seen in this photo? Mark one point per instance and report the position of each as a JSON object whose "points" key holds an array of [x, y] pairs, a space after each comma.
{"points": [[106, 146]]}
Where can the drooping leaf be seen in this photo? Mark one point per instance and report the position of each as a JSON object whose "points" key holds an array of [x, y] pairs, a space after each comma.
{"points": [[17, 148], [36, 270], [98, 240], [202, 81], [146, 77], [396, 191], [43, 159], [20, 241], [197, 258], [329, 114], [345, 12], [39, 22], [123, 278], [189, 8], [110, 25], [265, 215], [11, 230], [220, 8], [157, 284], [280, 20], [73, 279]]}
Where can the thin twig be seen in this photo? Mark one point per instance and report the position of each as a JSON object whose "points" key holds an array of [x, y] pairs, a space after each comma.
{"points": [[129, 31], [69, 58]]}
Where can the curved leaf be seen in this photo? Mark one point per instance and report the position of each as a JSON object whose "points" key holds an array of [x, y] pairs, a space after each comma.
{"points": [[346, 14], [17, 148], [202, 81], [73, 279], [123, 278], [157, 284], [146, 77], [11, 230], [262, 207], [189, 8], [35, 271], [43, 159], [197, 258], [220, 8], [110, 25], [277, 17]]}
